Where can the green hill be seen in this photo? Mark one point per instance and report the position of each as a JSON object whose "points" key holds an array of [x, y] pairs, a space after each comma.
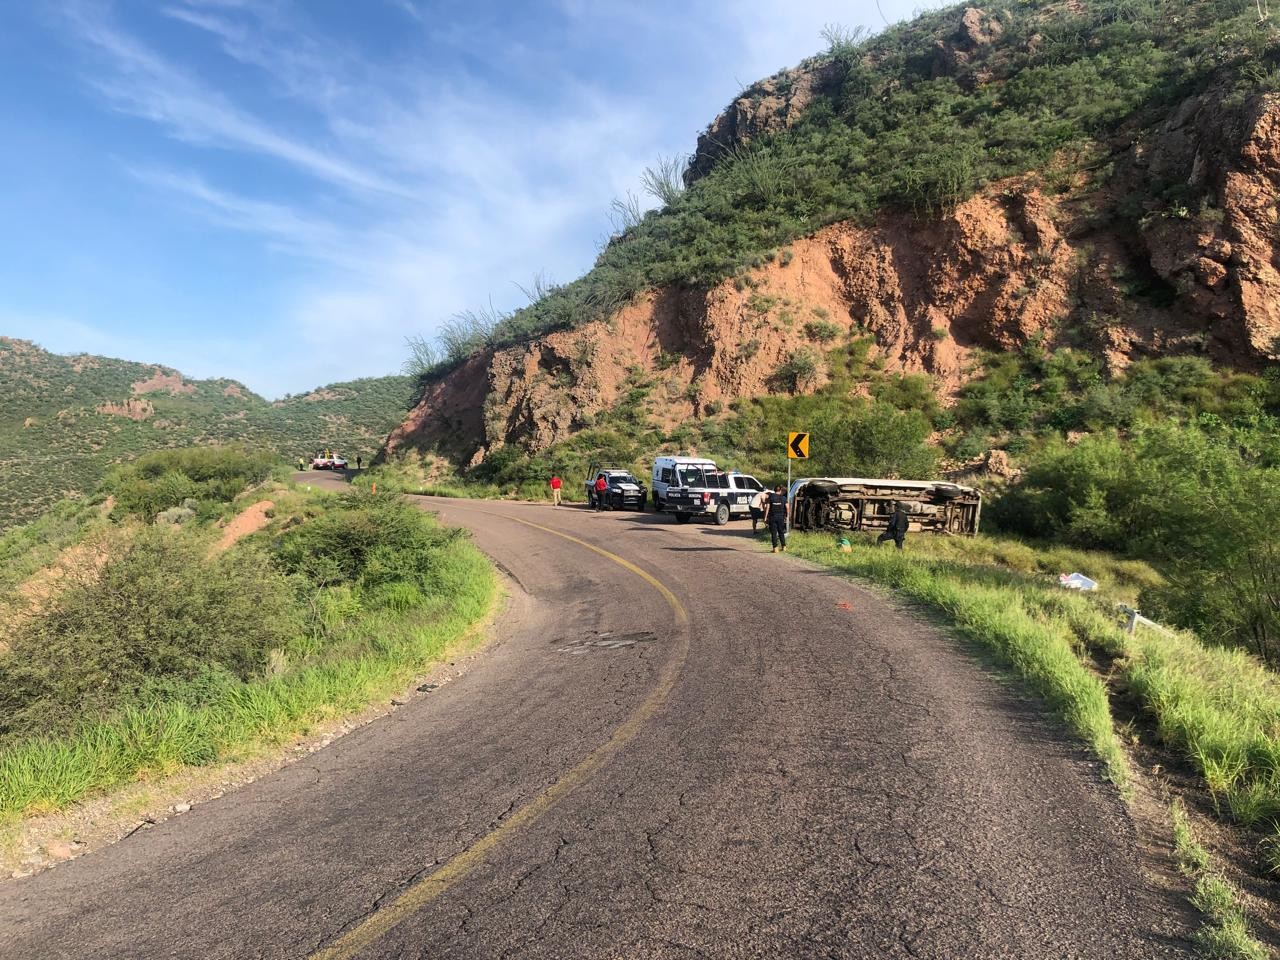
{"points": [[65, 420]]}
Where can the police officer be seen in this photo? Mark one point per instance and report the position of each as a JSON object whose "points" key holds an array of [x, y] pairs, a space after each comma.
{"points": [[898, 524], [777, 518]]}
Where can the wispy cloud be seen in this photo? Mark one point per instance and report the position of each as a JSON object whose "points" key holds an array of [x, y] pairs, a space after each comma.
{"points": [[142, 82], [416, 187]]}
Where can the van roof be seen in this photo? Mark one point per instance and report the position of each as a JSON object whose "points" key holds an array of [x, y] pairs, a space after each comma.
{"points": [[688, 460]]}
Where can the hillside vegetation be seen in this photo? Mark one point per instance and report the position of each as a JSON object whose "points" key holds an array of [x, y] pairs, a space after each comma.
{"points": [[64, 421], [917, 119], [148, 627]]}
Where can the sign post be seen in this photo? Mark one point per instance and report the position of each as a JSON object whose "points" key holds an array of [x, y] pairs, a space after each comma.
{"points": [[797, 449]]}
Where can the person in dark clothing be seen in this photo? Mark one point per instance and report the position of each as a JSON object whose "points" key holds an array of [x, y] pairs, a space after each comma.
{"points": [[776, 516], [897, 529], [359, 463]]}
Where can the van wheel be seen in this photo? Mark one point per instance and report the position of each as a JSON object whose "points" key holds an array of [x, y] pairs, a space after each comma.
{"points": [[683, 518], [722, 514]]}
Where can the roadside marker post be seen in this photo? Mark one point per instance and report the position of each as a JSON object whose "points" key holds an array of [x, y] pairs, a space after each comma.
{"points": [[797, 449]]}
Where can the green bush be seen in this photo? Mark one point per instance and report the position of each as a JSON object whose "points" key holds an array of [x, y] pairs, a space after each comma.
{"points": [[157, 481], [368, 543], [799, 371], [822, 331], [1201, 500], [161, 611]]}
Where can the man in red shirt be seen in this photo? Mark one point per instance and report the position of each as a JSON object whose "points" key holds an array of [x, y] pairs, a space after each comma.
{"points": [[602, 492], [555, 490]]}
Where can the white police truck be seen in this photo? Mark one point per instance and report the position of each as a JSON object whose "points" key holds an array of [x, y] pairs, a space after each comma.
{"points": [[689, 487]]}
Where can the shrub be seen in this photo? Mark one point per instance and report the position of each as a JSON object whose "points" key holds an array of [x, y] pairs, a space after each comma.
{"points": [[799, 371], [821, 331], [159, 612], [365, 542], [157, 481]]}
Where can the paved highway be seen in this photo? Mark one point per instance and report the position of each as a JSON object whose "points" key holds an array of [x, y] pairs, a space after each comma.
{"points": [[676, 746]]}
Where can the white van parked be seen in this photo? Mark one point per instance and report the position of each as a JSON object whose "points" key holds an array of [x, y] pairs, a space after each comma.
{"points": [[666, 473]]}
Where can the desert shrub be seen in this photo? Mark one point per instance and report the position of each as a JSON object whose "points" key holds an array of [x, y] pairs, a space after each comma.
{"points": [[799, 371], [1200, 500], [157, 481], [365, 542], [161, 611], [821, 331]]}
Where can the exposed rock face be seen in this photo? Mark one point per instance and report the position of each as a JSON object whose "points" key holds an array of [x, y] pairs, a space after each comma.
{"points": [[163, 379], [976, 29], [763, 108], [136, 410], [1223, 258], [1007, 265]]}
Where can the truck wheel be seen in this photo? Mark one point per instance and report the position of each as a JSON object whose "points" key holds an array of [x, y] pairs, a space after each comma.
{"points": [[682, 518], [722, 514]]}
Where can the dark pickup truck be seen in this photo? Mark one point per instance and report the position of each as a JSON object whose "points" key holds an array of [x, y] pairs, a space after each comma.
{"points": [[624, 491]]}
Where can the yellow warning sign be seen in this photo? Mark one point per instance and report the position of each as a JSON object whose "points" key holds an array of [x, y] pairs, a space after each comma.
{"points": [[798, 446]]}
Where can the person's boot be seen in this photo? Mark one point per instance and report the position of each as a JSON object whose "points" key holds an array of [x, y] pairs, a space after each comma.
{"points": [[775, 549]]}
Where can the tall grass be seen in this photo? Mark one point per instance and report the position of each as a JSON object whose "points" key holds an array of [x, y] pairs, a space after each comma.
{"points": [[1221, 709], [1217, 708], [1039, 643], [371, 657], [1226, 932]]}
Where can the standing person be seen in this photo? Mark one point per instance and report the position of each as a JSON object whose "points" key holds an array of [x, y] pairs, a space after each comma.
{"points": [[302, 464], [359, 463], [555, 489], [777, 518], [602, 492], [898, 524], [757, 507]]}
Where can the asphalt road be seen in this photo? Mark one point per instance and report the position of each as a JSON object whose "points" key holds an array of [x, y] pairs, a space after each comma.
{"points": [[678, 746]]}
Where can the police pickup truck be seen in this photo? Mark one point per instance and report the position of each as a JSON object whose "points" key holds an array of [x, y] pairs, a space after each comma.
{"points": [[622, 491], [704, 490]]}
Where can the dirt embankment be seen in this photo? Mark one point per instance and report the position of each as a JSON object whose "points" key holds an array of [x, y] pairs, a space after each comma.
{"points": [[1012, 263]]}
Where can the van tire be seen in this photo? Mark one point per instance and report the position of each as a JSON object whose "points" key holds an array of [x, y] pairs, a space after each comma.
{"points": [[683, 518]]}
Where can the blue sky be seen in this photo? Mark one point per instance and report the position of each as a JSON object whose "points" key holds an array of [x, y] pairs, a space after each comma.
{"points": [[281, 192]]}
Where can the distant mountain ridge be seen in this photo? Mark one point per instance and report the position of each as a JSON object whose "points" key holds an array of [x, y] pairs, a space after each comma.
{"points": [[66, 420]]}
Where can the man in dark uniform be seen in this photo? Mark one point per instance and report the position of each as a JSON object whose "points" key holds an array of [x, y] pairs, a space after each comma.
{"points": [[898, 524], [777, 517]]}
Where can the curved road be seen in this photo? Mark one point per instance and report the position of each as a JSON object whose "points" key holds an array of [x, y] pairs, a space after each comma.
{"points": [[677, 746]]}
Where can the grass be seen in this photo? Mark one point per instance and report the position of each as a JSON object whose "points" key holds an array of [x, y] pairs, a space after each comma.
{"points": [[1216, 708], [376, 657], [1225, 934], [1219, 708], [360, 594], [1039, 640]]}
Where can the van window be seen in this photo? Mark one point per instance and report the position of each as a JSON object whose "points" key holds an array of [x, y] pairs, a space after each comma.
{"points": [[666, 474]]}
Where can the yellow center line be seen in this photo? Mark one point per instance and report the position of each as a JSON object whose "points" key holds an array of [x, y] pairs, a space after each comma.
{"points": [[431, 886]]}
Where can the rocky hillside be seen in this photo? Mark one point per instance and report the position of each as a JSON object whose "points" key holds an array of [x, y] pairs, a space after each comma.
{"points": [[65, 420], [1100, 175]]}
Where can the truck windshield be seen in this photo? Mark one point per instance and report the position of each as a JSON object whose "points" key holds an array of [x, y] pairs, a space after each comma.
{"points": [[692, 477]]}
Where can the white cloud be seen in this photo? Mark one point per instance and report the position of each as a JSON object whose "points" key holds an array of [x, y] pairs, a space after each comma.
{"points": [[430, 191]]}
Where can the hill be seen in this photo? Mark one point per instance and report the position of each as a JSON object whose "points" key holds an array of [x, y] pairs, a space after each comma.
{"points": [[1097, 177], [65, 420], [1031, 243]]}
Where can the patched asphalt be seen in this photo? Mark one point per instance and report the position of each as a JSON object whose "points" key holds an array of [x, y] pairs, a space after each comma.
{"points": [[828, 776]]}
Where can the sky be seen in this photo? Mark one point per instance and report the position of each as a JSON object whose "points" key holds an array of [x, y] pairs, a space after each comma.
{"points": [[282, 191]]}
